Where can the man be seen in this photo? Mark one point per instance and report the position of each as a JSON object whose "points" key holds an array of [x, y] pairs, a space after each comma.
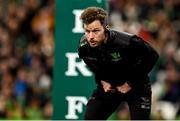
{"points": [[121, 63]]}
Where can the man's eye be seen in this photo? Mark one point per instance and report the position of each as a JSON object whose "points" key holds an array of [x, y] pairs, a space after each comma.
{"points": [[96, 31], [87, 32]]}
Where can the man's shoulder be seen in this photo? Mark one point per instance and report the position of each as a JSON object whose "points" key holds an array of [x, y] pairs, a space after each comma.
{"points": [[123, 33], [83, 41], [121, 37], [82, 47]]}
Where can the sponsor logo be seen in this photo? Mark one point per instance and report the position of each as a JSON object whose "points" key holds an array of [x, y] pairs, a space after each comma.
{"points": [[115, 56]]}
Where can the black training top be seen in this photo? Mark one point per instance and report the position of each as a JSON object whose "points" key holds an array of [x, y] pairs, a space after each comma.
{"points": [[123, 58]]}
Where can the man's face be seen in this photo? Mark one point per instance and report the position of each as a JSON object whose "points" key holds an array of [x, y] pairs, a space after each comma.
{"points": [[95, 33]]}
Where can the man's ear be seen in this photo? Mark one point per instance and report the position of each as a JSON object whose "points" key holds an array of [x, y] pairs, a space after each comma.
{"points": [[106, 28]]}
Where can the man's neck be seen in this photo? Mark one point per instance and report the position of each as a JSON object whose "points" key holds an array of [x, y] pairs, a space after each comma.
{"points": [[106, 38]]}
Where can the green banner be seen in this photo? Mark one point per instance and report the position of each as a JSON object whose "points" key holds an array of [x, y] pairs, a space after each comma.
{"points": [[73, 82]]}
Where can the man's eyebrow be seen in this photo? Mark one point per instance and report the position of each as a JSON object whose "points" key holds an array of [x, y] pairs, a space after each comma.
{"points": [[96, 28], [87, 30], [92, 29]]}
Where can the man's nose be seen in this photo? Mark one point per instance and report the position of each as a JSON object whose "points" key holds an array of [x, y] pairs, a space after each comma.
{"points": [[91, 35]]}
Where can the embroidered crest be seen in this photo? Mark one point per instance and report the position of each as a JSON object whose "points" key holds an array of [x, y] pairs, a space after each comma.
{"points": [[115, 56]]}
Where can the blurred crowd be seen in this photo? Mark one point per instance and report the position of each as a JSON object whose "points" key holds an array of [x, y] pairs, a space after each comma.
{"points": [[26, 58], [158, 23]]}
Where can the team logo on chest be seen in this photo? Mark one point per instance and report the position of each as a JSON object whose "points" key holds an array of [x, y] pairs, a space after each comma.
{"points": [[115, 56]]}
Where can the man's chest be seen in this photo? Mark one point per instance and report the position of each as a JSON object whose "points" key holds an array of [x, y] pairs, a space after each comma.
{"points": [[109, 58]]}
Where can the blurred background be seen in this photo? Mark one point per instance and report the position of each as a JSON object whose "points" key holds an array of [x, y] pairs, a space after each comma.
{"points": [[26, 58], [27, 54]]}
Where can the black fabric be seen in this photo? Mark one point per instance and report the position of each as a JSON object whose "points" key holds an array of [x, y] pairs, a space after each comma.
{"points": [[133, 59], [102, 104], [123, 58]]}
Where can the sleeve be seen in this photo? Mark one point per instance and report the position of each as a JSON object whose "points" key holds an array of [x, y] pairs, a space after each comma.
{"points": [[83, 52], [82, 47], [143, 58]]}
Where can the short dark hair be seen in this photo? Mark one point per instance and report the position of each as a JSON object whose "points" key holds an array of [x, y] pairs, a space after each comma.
{"points": [[91, 14]]}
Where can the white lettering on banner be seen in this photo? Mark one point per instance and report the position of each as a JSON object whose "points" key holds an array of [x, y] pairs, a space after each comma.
{"points": [[72, 65], [75, 103], [78, 28]]}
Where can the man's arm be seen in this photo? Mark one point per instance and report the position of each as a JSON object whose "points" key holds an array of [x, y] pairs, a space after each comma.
{"points": [[143, 58], [82, 47]]}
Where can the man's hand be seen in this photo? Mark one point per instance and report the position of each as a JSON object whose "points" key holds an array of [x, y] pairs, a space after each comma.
{"points": [[106, 86], [124, 88]]}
